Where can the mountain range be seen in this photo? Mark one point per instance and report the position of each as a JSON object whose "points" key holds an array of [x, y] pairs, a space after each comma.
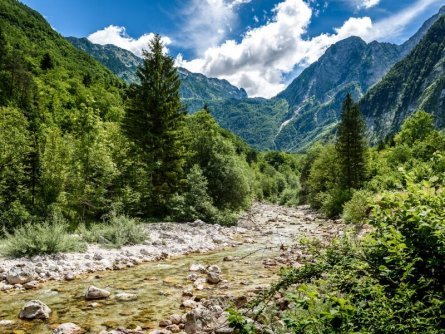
{"points": [[309, 108]]}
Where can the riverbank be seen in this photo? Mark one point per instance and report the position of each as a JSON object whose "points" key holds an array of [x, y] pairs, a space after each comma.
{"points": [[165, 240], [248, 256]]}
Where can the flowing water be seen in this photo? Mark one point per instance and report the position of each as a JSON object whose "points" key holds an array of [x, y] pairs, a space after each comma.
{"points": [[159, 287]]}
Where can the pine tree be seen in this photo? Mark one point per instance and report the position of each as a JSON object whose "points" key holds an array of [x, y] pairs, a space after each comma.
{"points": [[154, 122], [351, 145], [47, 62]]}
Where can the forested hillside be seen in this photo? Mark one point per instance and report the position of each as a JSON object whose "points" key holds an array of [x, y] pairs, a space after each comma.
{"points": [[416, 82], [196, 89], [68, 156]]}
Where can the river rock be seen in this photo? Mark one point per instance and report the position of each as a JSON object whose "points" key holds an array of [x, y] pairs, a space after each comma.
{"points": [[31, 285], [6, 323], [35, 309], [175, 319], [224, 330], [20, 274], [189, 303], [192, 277], [165, 323], [214, 269], [197, 267], [213, 278], [173, 328], [126, 297], [68, 328], [228, 258], [96, 293]]}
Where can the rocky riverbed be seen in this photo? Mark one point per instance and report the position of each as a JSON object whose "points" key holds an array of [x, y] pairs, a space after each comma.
{"points": [[152, 285]]}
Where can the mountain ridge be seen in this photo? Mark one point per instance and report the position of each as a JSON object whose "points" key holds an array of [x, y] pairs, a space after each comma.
{"points": [[312, 100]]}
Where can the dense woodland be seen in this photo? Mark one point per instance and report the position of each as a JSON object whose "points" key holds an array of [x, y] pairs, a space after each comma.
{"points": [[83, 152]]}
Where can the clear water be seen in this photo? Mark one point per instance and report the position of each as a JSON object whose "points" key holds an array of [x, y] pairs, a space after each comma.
{"points": [[159, 287]]}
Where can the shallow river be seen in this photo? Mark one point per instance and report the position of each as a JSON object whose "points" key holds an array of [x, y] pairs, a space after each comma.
{"points": [[159, 287]]}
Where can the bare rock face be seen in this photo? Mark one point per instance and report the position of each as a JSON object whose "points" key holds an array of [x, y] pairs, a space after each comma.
{"points": [[35, 309], [20, 274], [68, 328], [96, 293]]}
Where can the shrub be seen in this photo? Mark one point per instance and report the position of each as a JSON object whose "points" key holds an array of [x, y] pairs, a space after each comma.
{"points": [[116, 231], [47, 238], [196, 203], [358, 208], [333, 201], [289, 197]]}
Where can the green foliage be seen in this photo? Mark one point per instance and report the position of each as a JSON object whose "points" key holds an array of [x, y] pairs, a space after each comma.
{"points": [[116, 231], [351, 146], [413, 83], [358, 208], [154, 121], [46, 238], [214, 151], [14, 176], [390, 280], [416, 128], [323, 183]]}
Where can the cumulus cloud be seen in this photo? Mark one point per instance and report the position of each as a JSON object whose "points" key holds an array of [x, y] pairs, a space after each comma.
{"points": [[206, 23], [265, 55], [260, 60], [117, 36]]}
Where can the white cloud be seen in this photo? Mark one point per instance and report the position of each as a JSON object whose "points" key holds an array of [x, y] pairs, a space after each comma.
{"points": [[366, 3], [117, 36], [266, 53], [392, 27], [260, 61], [206, 23]]}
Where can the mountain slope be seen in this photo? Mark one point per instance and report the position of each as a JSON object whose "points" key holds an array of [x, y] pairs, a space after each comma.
{"points": [[308, 109], [349, 66], [196, 89], [121, 62], [416, 82]]}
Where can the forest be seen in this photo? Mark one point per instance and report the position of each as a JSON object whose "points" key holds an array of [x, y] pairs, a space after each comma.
{"points": [[86, 158]]}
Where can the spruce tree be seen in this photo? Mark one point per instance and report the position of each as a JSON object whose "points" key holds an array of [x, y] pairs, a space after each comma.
{"points": [[154, 122], [351, 145]]}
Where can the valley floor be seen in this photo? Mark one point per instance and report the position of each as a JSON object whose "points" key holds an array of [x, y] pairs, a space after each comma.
{"points": [[249, 254]]}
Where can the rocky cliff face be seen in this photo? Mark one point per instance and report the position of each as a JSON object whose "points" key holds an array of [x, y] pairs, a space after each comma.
{"points": [[315, 97], [121, 62]]}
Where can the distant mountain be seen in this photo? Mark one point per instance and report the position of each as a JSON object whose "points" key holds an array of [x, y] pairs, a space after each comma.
{"points": [[196, 89], [306, 111], [315, 97], [121, 62], [417, 37], [416, 82]]}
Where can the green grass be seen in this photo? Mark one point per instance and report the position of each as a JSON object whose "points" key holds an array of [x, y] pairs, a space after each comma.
{"points": [[115, 232], [46, 238]]}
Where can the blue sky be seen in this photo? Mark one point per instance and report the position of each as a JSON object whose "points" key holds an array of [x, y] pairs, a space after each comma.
{"points": [[256, 44]]}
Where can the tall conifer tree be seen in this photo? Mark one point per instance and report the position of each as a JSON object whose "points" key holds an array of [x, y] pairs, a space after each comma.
{"points": [[351, 145], [154, 122]]}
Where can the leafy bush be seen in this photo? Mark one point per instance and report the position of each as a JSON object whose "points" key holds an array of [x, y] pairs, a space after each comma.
{"points": [[47, 238], [116, 231], [358, 208], [391, 281]]}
